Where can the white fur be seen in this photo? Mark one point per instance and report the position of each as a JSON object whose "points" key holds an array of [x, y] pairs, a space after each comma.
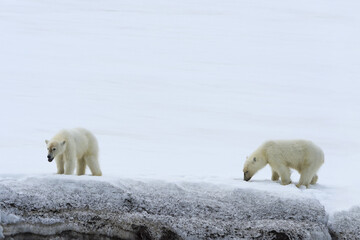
{"points": [[302, 155], [74, 147]]}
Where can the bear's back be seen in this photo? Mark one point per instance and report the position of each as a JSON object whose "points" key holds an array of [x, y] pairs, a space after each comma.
{"points": [[297, 150]]}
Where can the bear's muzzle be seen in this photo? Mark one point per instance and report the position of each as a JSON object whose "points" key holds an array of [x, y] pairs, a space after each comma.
{"points": [[246, 178]]}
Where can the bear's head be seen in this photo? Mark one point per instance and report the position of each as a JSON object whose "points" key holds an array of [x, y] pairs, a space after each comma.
{"points": [[54, 148], [253, 164]]}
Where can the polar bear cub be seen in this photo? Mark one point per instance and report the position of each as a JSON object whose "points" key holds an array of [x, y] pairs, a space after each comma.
{"points": [[74, 147], [281, 155]]}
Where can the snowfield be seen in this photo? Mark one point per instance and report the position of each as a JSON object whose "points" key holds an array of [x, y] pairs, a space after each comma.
{"points": [[182, 91]]}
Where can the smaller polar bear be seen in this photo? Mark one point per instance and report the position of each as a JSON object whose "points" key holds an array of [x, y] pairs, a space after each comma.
{"points": [[302, 155], [74, 147]]}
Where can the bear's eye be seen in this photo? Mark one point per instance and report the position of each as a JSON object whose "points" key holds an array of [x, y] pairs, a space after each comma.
{"points": [[54, 149]]}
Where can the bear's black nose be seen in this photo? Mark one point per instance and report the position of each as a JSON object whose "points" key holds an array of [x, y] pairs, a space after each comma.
{"points": [[48, 156]]}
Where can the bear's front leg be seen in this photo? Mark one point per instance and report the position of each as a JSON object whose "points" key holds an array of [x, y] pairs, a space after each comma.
{"points": [[69, 166], [60, 165], [285, 174], [81, 165]]}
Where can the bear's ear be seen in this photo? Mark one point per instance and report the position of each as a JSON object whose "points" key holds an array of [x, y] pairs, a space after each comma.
{"points": [[63, 143], [46, 141], [254, 159]]}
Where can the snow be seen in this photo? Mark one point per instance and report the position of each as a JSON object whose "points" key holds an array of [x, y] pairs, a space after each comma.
{"points": [[184, 90]]}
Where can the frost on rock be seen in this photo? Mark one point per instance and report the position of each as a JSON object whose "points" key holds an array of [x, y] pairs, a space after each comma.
{"points": [[70, 208], [5, 219], [346, 224], [8, 218]]}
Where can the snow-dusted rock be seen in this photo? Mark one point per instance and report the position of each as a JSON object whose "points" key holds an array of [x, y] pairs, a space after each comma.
{"points": [[346, 224], [6, 219], [80, 207]]}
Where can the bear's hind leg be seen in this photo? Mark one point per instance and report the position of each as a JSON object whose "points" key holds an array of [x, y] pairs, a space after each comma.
{"points": [[81, 165], [314, 179], [275, 176], [93, 163], [306, 178]]}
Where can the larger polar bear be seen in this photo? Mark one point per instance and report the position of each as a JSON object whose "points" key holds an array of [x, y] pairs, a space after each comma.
{"points": [[302, 155], [74, 147]]}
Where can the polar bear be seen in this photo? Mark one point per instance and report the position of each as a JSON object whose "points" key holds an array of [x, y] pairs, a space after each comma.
{"points": [[302, 155], [72, 147]]}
